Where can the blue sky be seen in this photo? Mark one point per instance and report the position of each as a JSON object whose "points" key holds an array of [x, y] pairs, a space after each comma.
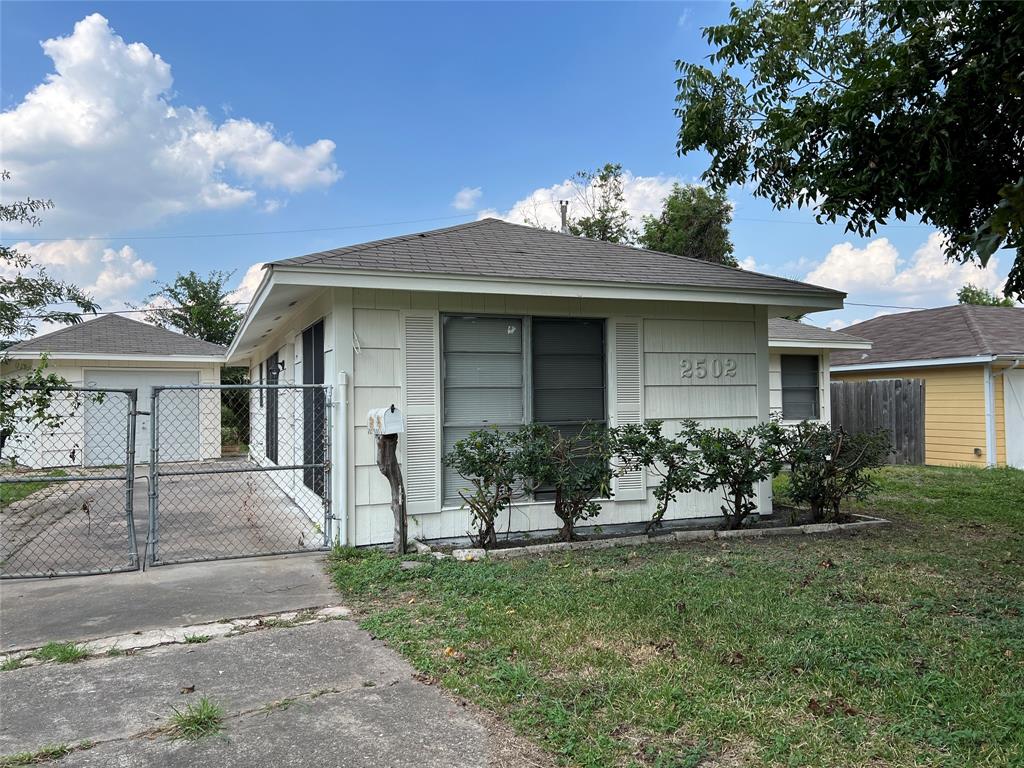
{"points": [[154, 121]]}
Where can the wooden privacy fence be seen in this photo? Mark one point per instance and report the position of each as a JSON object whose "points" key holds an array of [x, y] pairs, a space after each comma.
{"points": [[895, 405]]}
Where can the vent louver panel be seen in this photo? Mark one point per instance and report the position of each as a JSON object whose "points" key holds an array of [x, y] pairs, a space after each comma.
{"points": [[422, 425], [627, 392]]}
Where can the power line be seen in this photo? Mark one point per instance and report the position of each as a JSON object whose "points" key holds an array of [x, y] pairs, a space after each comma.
{"points": [[882, 306], [134, 311]]}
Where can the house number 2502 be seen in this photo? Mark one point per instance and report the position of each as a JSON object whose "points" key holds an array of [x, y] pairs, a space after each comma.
{"points": [[702, 368]]}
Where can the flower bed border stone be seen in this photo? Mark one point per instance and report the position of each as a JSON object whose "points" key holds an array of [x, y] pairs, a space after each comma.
{"points": [[470, 554]]}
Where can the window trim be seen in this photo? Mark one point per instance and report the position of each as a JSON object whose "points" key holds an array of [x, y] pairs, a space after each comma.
{"points": [[816, 389], [527, 385]]}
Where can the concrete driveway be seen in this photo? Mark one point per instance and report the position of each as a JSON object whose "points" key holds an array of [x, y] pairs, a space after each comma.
{"points": [[302, 688], [79, 525]]}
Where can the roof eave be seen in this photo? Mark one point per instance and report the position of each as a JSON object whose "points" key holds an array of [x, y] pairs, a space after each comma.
{"points": [[779, 343], [938, 362], [811, 300], [120, 356]]}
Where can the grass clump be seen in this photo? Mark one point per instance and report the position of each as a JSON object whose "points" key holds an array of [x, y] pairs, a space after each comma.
{"points": [[196, 721], [44, 755], [12, 492], [195, 639], [62, 653], [14, 662], [895, 646]]}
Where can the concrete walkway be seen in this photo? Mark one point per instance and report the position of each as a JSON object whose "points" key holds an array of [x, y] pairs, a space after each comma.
{"points": [[313, 691], [36, 611]]}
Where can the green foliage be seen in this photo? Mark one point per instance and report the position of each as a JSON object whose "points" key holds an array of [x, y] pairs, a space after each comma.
{"points": [[693, 222], [599, 194], [829, 465], [12, 663], [575, 465], [197, 307], [487, 460], [204, 718], [972, 294], [899, 646], [12, 492], [735, 461], [645, 447], [28, 296], [870, 111], [196, 639], [63, 653], [45, 755]]}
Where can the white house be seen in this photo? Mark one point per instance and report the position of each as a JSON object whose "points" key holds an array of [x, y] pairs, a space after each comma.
{"points": [[491, 323], [117, 353]]}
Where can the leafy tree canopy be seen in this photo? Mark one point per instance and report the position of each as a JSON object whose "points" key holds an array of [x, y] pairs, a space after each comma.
{"points": [[197, 307], [599, 194], [693, 222], [28, 294], [972, 294], [868, 111]]}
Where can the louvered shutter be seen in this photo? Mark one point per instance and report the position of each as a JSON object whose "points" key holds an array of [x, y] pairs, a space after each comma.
{"points": [[420, 365], [627, 394]]}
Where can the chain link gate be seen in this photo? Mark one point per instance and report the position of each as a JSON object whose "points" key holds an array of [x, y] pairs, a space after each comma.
{"points": [[238, 470], [67, 484]]}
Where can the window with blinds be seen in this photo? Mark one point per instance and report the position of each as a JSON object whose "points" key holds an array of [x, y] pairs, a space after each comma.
{"points": [[799, 387], [506, 371]]}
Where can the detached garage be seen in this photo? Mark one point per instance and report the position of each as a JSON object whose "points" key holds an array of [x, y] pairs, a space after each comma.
{"points": [[113, 352]]}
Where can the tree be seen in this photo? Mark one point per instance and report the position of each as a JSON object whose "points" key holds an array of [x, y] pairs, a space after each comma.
{"points": [[599, 194], [868, 111], [693, 222], [487, 460], [28, 295], [972, 294], [197, 307]]}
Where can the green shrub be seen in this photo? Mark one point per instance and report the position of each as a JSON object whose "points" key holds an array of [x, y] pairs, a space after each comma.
{"points": [[735, 461], [646, 448], [576, 466], [829, 465], [486, 459]]}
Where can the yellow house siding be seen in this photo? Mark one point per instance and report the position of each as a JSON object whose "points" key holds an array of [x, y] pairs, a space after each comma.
{"points": [[954, 411]]}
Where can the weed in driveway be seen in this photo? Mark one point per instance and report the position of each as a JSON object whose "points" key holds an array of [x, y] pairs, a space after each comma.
{"points": [[44, 755], [194, 639], [62, 653], [204, 718], [15, 662]]}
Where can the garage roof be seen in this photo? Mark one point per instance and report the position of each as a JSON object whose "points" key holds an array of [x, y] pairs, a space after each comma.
{"points": [[116, 336], [781, 331], [963, 330], [491, 248]]}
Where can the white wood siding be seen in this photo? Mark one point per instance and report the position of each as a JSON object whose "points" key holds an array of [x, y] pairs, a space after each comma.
{"points": [[671, 334]]}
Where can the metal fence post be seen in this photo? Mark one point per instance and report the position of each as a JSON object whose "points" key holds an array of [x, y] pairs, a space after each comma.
{"points": [[129, 478], [154, 500], [326, 460]]}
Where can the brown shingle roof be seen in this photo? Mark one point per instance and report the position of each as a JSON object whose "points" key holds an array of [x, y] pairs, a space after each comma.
{"points": [[964, 330], [780, 329], [116, 335], [495, 248]]}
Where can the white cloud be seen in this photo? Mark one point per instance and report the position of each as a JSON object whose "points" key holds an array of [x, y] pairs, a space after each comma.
{"points": [[103, 136], [643, 195], [108, 275], [877, 270], [247, 286], [466, 198]]}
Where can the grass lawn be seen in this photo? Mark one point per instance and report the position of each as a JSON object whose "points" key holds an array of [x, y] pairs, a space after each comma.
{"points": [[12, 492], [900, 646]]}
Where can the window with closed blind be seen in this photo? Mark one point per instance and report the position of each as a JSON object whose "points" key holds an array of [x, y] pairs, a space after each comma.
{"points": [[507, 371], [800, 387]]}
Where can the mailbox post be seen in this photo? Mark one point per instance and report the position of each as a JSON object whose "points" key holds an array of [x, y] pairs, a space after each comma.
{"points": [[386, 424]]}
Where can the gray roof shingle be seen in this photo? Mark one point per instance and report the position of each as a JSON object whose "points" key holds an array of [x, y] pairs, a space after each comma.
{"points": [[498, 249], [116, 335], [790, 330], [964, 330]]}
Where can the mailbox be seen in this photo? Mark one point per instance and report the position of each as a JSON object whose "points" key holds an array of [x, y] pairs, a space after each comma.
{"points": [[385, 421]]}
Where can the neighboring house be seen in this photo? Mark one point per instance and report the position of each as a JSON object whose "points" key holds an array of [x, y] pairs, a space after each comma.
{"points": [[117, 353], [495, 324], [971, 359], [798, 368]]}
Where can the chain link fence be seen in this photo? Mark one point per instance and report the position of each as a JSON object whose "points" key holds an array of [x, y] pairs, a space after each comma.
{"points": [[67, 474], [238, 471]]}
